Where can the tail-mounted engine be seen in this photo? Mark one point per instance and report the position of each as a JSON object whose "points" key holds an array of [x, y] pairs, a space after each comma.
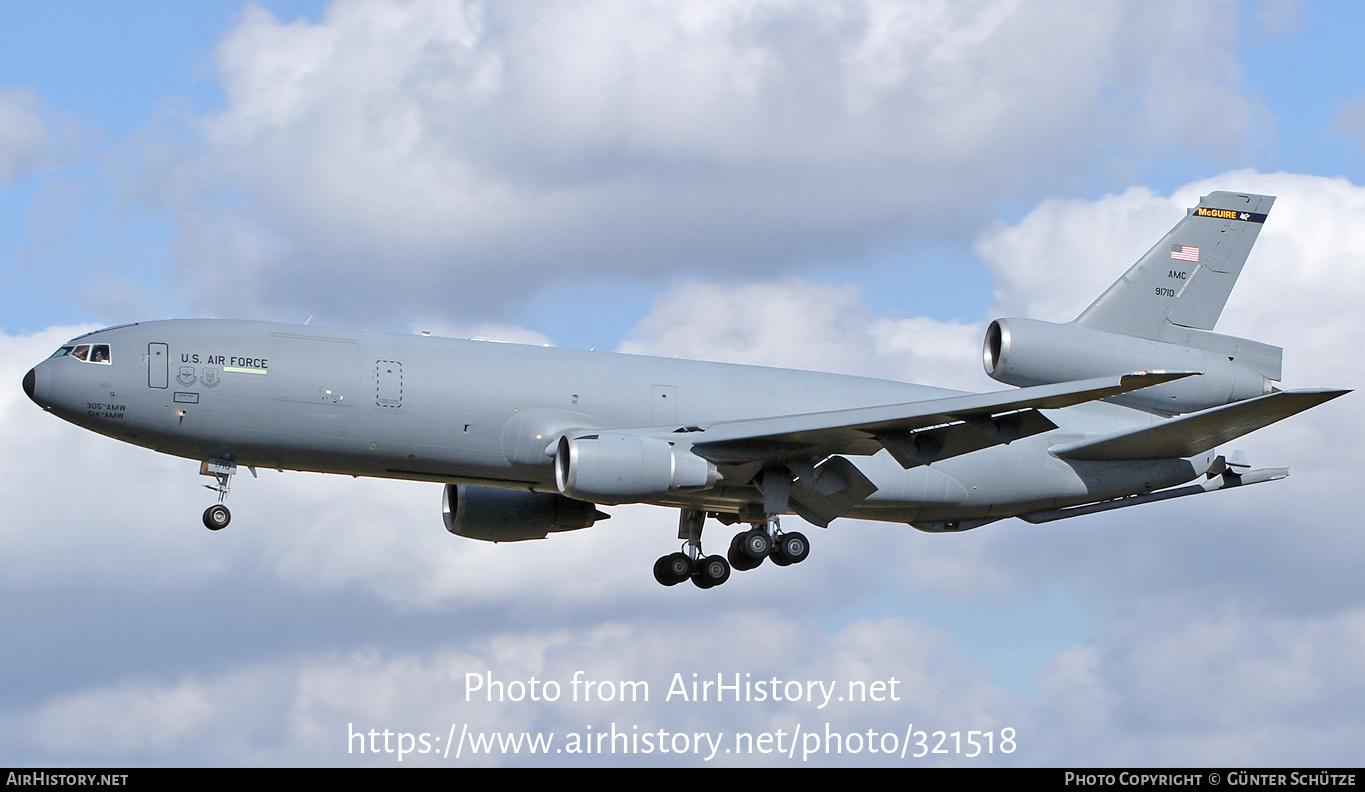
{"points": [[1030, 352]]}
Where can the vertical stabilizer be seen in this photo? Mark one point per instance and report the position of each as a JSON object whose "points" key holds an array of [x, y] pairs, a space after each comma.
{"points": [[1184, 281]]}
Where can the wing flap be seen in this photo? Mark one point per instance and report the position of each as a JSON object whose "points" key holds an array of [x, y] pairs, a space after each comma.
{"points": [[926, 446], [835, 487], [1195, 433], [959, 424]]}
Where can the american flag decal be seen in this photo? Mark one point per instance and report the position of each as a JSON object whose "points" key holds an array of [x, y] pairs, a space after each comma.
{"points": [[1185, 253]]}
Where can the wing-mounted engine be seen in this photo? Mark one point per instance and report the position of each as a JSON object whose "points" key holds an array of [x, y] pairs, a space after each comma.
{"points": [[620, 467], [498, 515], [1030, 352]]}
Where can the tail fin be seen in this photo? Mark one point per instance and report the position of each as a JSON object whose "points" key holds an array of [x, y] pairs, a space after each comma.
{"points": [[1159, 315], [1184, 281]]}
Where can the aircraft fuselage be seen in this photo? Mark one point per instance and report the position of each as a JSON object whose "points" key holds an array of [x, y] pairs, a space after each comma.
{"points": [[484, 413]]}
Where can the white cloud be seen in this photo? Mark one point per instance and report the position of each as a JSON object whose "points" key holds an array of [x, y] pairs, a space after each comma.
{"points": [[798, 324], [25, 139], [1247, 688], [1212, 688], [1282, 17], [123, 721], [461, 156], [1065, 252], [1351, 119], [304, 710]]}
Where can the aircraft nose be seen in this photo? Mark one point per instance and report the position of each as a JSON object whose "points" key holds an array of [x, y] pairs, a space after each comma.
{"points": [[30, 380]]}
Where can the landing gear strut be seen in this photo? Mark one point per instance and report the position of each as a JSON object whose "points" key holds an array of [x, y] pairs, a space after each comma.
{"points": [[217, 516], [705, 571], [766, 540], [747, 551]]}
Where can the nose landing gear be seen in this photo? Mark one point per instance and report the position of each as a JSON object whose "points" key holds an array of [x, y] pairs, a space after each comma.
{"points": [[217, 516]]}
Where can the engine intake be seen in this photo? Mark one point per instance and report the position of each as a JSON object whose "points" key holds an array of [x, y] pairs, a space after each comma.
{"points": [[615, 467]]}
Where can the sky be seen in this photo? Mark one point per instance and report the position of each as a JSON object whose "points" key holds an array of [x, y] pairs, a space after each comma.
{"points": [[853, 186]]}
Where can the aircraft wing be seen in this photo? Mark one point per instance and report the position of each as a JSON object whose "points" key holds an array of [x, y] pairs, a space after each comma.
{"points": [[915, 433], [1195, 433]]}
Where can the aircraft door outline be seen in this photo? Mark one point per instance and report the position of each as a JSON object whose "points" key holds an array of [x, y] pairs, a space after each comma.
{"points": [[388, 383], [158, 361]]}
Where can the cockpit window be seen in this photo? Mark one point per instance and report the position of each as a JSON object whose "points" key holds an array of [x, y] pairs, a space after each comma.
{"points": [[90, 353]]}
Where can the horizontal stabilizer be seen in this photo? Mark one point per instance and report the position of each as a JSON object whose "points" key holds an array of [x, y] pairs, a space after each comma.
{"points": [[863, 431], [1195, 433]]}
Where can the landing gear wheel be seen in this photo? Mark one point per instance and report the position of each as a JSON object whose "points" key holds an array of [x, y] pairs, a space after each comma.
{"points": [[738, 558], [217, 517], [739, 561], [790, 548], [756, 544], [670, 570], [711, 571]]}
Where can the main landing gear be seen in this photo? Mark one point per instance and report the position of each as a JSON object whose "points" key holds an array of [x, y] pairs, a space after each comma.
{"points": [[747, 551], [705, 571], [217, 516], [766, 540]]}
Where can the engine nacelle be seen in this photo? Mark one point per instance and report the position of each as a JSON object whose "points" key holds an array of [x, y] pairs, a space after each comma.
{"points": [[1030, 352], [615, 467], [499, 515]]}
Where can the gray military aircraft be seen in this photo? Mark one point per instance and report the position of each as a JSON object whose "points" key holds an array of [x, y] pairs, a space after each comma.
{"points": [[1124, 405]]}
